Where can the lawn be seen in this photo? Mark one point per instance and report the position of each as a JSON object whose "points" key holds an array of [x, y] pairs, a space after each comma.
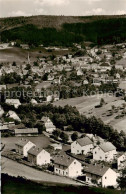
{"points": [[41, 141], [86, 106]]}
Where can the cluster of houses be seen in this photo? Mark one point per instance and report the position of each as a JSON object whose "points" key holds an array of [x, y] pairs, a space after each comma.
{"points": [[21, 130], [70, 166], [104, 151], [37, 156], [98, 64], [97, 61]]}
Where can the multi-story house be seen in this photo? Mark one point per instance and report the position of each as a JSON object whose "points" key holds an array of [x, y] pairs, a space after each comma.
{"points": [[82, 146], [104, 152], [38, 156], [67, 166], [23, 146]]}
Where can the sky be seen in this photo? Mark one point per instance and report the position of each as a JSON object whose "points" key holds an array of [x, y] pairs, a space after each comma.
{"points": [[61, 7]]}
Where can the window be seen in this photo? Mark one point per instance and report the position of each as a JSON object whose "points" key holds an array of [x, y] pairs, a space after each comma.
{"points": [[105, 177], [74, 162], [95, 152]]}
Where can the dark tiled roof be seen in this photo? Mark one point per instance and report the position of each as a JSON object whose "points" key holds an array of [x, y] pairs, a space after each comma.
{"points": [[96, 169], [84, 141], [107, 146], [63, 160], [22, 142], [44, 119], [35, 151], [120, 154]]}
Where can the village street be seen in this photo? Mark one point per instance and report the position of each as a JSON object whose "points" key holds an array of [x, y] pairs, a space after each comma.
{"points": [[15, 169]]}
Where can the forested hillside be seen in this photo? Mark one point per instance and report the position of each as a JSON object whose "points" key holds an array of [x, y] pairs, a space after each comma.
{"points": [[99, 30]]}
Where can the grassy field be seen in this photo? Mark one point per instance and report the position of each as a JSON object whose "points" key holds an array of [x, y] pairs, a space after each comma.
{"points": [[86, 106], [41, 141], [20, 55], [13, 185]]}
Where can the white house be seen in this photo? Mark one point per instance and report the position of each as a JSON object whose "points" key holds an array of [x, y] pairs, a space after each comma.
{"points": [[33, 101], [85, 82], [3, 87], [1, 111], [82, 146], [56, 146], [38, 156], [101, 175], [15, 102], [13, 115], [80, 72], [67, 166], [105, 152], [121, 160], [23, 146], [48, 124]]}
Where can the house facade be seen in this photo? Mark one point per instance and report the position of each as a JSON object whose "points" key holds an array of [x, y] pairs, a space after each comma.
{"points": [[67, 166], [48, 124], [104, 152], [15, 102], [13, 115], [121, 161], [38, 156], [23, 146], [82, 146], [100, 175]]}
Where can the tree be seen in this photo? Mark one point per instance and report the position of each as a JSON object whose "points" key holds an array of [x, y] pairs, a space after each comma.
{"points": [[74, 136], [122, 180], [40, 127], [28, 67], [56, 134], [64, 137], [113, 108], [45, 77], [70, 128], [102, 102], [14, 63]]}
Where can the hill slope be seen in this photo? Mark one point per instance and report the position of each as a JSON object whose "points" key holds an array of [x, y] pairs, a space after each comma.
{"points": [[64, 30]]}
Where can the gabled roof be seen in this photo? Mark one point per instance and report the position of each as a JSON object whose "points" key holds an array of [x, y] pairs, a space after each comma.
{"points": [[119, 154], [63, 160], [26, 131], [107, 146], [35, 151], [14, 101], [96, 169], [84, 141], [22, 142], [44, 119]]}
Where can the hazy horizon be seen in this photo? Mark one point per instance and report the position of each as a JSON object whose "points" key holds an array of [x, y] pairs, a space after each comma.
{"points": [[13, 8]]}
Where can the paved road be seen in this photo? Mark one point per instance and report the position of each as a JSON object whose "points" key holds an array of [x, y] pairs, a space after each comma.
{"points": [[15, 169]]}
